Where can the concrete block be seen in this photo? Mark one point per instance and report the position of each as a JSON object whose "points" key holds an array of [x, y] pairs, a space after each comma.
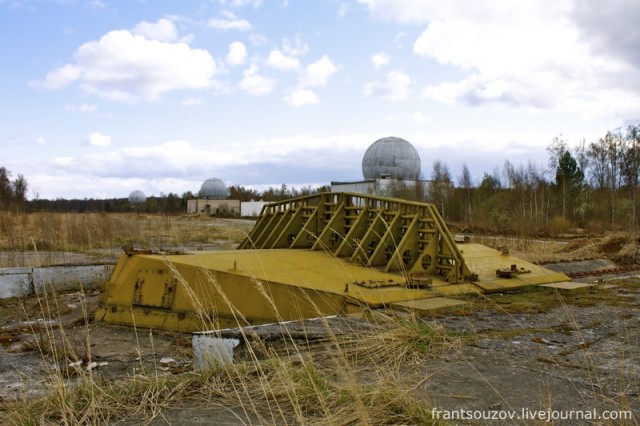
{"points": [[65, 278], [210, 351], [15, 282]]}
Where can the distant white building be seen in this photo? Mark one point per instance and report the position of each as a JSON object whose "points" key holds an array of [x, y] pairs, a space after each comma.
{"points": [[251, 208]]}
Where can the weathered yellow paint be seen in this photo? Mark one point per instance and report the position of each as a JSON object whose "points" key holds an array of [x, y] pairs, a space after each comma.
{"points": [[307, 257]]}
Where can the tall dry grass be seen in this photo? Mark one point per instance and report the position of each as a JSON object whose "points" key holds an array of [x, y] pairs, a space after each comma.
{"points": [[351, 377], [102, 234]]}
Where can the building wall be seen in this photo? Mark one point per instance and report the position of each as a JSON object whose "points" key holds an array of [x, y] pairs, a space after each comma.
{"points": [[214, 207], [384, 187], [361, 187], [251, 208]]}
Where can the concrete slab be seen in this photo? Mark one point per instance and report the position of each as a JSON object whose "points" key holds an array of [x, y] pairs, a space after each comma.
{"points": [[64, 278], [568, 286], [431, 304], [582, 266], [23, 282], [210, 351], [15, 282]]}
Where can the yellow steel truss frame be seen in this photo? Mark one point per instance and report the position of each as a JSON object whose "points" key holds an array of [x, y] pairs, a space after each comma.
{"points": [[385, 233]]}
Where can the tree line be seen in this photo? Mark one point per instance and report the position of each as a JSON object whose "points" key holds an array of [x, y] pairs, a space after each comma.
{"points": [[593, 185], [13, 198]]}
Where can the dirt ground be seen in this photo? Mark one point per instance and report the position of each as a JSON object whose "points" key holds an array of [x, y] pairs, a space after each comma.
{"points": [[521, 353], [568, 357]]}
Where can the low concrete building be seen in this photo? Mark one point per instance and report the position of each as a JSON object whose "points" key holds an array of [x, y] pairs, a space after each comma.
{"points": [[214, 207]]}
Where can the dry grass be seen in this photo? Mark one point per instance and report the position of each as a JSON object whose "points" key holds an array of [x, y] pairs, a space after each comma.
{"points": [[102, 234], [346, 379]]}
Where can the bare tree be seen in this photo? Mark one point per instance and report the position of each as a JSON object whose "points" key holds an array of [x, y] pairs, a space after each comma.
{"points": [[613, 145], [441, 185], [516, 177], [464, 182], [537, 187], [631, 165]]}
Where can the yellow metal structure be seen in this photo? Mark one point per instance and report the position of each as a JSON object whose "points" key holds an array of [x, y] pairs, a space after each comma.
{"points": [[325, 254]]}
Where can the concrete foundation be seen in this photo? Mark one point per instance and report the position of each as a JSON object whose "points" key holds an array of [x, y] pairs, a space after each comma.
{"points": [[24, 282]]}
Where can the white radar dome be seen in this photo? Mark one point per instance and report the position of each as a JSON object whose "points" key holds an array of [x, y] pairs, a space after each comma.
{"points": [[393, 158], [137, 197], [214, 188]]}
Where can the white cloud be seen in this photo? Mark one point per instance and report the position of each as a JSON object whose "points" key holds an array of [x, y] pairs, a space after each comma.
{"points": [[343, 9], [280, 61], [96, 4], [529, 62], [394, 88], [81, 109], [561, 55], [255, 84], [122, 66], [315, 74], [380, 59], [424, 11], [241, 3], [229, 22], [295, 48], [41, 141], [99, 140], [64, 161], [418, 117], [319, 72], [258, 39], [169, 166], [237, 54], [193, 102], [162, 30], [301, 97], [59, 78]]}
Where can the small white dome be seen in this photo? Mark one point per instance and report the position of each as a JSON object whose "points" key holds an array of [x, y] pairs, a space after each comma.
{"points": [[137, 197], [214, 188]]}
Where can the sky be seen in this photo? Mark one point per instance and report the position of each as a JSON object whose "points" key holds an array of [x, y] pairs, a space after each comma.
{"points": [[100, 98]]}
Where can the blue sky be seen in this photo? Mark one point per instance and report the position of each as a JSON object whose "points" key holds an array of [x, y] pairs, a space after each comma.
{"points": [[100, 98]]}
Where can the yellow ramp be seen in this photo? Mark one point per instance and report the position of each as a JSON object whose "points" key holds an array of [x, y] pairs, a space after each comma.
{"points": [[309, 270]]}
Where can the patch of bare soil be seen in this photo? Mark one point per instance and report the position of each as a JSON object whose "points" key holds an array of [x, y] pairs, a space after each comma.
{"points": [[621, 247], [569, 358]]}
